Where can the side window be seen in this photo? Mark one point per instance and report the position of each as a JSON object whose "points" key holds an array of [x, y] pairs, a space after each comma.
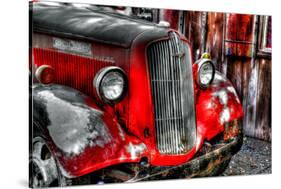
{"points": [[265, 36]]}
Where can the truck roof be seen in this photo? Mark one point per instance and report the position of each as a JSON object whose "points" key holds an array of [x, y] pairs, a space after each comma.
{"points": [[87, 22]]}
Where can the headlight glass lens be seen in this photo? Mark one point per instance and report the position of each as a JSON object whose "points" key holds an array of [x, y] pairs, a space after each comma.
{"points": [[206, 73], [112, 85]]}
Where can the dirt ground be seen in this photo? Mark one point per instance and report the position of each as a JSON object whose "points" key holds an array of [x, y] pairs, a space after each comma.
{"points": [[253, 158]]}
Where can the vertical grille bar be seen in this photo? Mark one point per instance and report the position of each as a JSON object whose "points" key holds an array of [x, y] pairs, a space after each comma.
{"points": [[173, 95]]}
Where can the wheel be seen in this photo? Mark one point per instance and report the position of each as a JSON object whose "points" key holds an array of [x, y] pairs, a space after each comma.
{"points": [[43, 168], [42, 165]]}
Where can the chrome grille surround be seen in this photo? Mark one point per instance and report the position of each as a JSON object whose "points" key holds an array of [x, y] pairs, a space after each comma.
{"points": [[170, 69]]}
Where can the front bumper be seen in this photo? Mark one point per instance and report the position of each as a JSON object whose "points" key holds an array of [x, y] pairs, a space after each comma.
{"points": [[202, 165], [210, 160]]}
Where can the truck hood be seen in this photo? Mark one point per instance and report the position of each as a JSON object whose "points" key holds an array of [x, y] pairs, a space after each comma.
{"points": [[90, 23]]}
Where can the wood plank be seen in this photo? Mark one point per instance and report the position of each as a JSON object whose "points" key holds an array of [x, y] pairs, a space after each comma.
{"points": [[195, 32], [263, 120], [214, 40], [171, 16]]}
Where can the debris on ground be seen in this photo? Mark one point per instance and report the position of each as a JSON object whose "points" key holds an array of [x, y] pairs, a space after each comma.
{"points": [[253, 158]]}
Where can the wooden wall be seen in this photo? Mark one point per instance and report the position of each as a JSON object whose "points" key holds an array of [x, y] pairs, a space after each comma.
{"points": [[195, 31], [232, 40]]}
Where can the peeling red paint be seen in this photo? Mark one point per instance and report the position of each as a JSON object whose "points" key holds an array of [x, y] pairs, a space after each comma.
{"points": [[209, 108], [239, 35]]}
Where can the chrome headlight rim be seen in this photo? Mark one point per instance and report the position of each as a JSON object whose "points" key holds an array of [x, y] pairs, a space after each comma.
{"points": [[201, 63], [99, 78]]}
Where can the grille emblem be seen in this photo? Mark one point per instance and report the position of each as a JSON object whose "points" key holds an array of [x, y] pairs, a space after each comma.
{"points": [[73, 46]]}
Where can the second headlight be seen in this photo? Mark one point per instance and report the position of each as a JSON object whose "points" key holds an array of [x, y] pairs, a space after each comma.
{"points": [[111, 84], [206, 72]]}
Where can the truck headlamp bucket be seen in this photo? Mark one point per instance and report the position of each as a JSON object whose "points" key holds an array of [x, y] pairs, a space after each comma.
{"points": [[111, 84], [206, 72]]}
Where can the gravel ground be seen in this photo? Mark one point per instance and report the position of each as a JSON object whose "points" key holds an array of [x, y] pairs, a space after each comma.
{"points": [[253, 158]]}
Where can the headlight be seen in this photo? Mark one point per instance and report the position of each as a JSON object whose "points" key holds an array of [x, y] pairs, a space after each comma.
{"points": [[110, 84], [206, 72]]}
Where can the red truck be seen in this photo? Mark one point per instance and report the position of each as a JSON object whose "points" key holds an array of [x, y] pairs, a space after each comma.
{"points": [[118, 99]]}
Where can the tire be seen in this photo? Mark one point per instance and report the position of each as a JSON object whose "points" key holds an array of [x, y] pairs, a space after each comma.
{"points": [[43, 169]]}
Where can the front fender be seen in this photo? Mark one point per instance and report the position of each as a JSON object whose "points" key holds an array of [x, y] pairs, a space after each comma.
{"points": [[215, 106], [82, 137]]}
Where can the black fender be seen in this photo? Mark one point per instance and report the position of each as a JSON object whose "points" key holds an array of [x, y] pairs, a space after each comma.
{"points": [[81, 136], [62, 113]]}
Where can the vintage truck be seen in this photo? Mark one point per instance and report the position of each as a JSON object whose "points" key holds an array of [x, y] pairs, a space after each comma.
{"points": [[119, 99]]}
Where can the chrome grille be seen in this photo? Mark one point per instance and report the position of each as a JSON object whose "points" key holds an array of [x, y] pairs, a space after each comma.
{"points": [[173, 95]]}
